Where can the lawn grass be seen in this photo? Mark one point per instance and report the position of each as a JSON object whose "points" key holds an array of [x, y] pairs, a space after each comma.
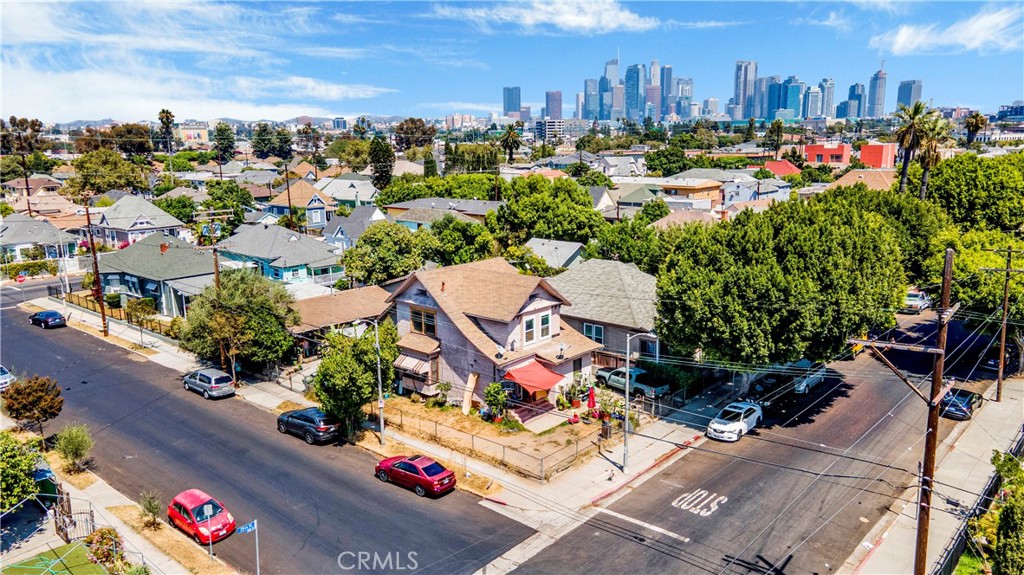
{"points": [[970, 564], [70, 559]]}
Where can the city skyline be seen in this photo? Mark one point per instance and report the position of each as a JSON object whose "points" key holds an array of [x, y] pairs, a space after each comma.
{"points": [[277, 61]]}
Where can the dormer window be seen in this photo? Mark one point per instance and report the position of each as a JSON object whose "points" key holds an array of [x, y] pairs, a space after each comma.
{"points": [[529, 330], [545, 325]]}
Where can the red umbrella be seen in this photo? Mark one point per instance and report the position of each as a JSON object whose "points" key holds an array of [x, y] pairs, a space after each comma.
{"points": [[591, 399]]}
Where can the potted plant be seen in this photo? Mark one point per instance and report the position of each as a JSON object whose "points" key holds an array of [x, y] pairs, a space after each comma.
{"points": [[495, 398], [575, 391]]}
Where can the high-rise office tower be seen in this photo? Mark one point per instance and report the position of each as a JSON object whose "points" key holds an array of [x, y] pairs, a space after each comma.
{"points": [[511, 100], [652, 103], [710, 106], [524, 114], [591, 100], [910, 92], [766, 98], [668, 98], [685, 87], [828, 88], [857, 104], [553, 104], [618, 102], [746, 75], [580, 105], [605, 87], [634, 92], [812, 102], [876, 95], [655, 74], [792, 96]]}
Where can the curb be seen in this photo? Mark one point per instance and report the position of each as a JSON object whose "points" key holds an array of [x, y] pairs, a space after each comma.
{"points": [[495, 500], [657, 463]]}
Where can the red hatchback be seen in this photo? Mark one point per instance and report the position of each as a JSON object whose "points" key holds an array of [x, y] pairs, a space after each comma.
{"points": [[200, 516], [422, 474]]}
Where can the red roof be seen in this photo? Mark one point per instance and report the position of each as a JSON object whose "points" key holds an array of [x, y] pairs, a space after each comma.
{"points": [[781, 167], [533, 377]]}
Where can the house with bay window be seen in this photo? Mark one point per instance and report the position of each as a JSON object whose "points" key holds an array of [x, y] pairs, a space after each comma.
{"points": [[132, 218], [481, 322], [283, 255]]}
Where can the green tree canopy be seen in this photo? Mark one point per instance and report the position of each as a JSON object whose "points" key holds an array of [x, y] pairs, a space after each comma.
{"points": [[471, 159], [413, 132], [166, 130], [224, 142], [35, 399], [382, 162], [250, 309], [450, 241], [978, 192], [385, 251], [101, 171], [263, 141], [283, 144], [17, 466], [132, 139], [350, 151], [594, 178], [429, 165], [538, 207], [181, 207], [458, 186]]}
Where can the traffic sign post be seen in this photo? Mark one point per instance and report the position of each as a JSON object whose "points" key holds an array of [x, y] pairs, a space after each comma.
{"points": [[208, 511], [251, 526]]}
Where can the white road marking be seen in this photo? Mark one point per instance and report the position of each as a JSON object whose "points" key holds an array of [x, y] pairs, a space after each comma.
{"points": [[647, 526]]}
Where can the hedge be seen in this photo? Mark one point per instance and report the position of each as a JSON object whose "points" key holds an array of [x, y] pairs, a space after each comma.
{"points": [[30, 268]]}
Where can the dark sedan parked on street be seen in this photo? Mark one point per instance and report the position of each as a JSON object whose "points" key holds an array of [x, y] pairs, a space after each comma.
{"points": [[310, 424], [959, 403], [48, 318]]}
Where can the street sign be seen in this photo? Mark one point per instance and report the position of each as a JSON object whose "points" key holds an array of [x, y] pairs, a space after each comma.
{"points": [[20, 279], [250, 526]]}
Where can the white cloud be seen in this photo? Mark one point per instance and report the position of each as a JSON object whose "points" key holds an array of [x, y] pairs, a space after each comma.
{"points": [[835, 20], [992, 29], [702, 24], [300, 87], [573, 16], [335, 52], [888, 6]]}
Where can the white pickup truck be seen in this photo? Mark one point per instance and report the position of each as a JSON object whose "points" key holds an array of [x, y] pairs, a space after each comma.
{"points": [[640, 384]]}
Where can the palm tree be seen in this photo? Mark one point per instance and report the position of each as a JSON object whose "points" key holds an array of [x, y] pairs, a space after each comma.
{"points": [[908, 136], [934, 135], [511, 141], [974, 124], [167, 128]]}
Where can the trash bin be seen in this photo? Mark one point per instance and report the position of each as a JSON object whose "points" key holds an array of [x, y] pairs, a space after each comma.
{"points": [[46, 486]]}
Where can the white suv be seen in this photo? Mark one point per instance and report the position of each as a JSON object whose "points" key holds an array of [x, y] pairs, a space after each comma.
{"points": [[6, 378], [734, 421], [916, 302]]}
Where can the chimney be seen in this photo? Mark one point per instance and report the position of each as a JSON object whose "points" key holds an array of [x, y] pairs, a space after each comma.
{"points": [[164, 247], [442, 287]]}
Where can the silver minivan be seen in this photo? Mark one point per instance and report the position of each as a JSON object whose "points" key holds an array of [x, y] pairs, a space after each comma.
{"points": [[210, 382]]}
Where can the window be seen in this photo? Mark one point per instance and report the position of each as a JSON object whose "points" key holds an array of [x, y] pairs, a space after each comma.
{"points": [[819, 158], [423, 321], [295, 273], [545, 325], [530, 328], [577, 365], [648, 347], [835, 158], [594, 332], [435, 370]]}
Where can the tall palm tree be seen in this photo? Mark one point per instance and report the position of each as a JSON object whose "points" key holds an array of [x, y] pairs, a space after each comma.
{"points": [[511, 141], [974, 124], [935, 132], [908, 135]]}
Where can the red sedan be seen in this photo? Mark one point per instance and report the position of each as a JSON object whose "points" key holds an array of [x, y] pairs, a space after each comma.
{"points": [[200, 516], [422, 474]]}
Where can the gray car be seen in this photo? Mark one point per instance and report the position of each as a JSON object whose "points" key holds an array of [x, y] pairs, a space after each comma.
{"points": [[210, 382]]}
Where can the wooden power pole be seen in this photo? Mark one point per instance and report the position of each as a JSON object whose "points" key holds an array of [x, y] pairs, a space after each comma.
{"points": [[1006, 312], [97, 290]]}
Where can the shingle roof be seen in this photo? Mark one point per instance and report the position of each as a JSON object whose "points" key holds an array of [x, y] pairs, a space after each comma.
{"points": [[873, 179], [143, 259], [470, 207], [348, 187], [431, 215], [301, 194], [340, 308], [16, 229], [781, 167], [555, 252], [597, 193], [195, 195], [354, 224], [280, 246], [712, 174], [129, 209], [607, 291]]}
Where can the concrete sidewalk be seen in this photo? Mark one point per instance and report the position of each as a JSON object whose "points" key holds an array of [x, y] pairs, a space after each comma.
{"points": [[961, 474]]}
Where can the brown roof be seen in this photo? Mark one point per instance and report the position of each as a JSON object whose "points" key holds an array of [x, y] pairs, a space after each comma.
{"points": [[881, 180], [301, 193], [683, 217], [419, 343], [334, 171], [303, 168], [549, 174], [35, 185], [51, 204], [340, 308], [257, 191]]}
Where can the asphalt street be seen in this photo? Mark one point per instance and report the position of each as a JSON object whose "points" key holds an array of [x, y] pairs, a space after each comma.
{"points": [[797, 495], [313, 503]]}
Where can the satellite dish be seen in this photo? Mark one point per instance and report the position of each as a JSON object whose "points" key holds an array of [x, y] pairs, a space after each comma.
{"points": [[501, 350]]}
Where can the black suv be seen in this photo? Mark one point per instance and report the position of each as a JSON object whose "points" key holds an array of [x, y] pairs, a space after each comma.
{"points": [[310, 424]]}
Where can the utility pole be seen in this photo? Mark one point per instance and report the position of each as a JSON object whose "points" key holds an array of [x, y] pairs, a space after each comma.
{"points": [[97, 290], [288, 186], [1006, 312], [213, 216], [28, 190]]}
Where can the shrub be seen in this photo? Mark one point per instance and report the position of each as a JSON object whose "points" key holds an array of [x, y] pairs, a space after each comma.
{"points": [[174, 330], [113, 300], [675, 377], [495, 397], [511, 425], [416, 398], [135, 569], [105, 547], [88, 281], [73, 444], [152, 506], [33, 269]]}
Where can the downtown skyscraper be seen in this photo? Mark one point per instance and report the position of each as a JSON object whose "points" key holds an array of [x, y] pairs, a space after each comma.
{"points": [[828, 88], [909, 92], [511, 101], [635, 93], [553, 105], [743, 95], [876, 96]]}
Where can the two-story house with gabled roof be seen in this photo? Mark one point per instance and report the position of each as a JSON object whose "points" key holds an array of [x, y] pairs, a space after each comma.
{"points": [[319, 206], [132, 218], [481, 322], [283, 255]]}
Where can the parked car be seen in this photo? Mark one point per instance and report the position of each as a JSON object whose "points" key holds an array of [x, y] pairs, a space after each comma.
{"points": [[47, 318], [734, 421], [6, 378], [959, 403], [210, 382], [310, 424], [916, 302], [422, 474], [200, 516], [804, 383], [641, 383], [991, 361]]}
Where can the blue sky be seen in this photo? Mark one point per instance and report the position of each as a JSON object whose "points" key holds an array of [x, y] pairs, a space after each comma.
{"points": [[256, 60]]}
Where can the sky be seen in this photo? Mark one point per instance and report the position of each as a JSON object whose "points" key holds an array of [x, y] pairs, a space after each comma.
{"points": [[276, 60]]}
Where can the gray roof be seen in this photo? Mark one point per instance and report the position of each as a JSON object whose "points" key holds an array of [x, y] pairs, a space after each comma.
{"points": [[556, 253], [712, 174], [608, 292], [143, 259], [352, 225], [258, 177], [567, 160], [195, 195], [596, 193], [470, 207], [430, 215], [113, 195], [280, 246], [19, 229], [129, 209], [193, 285], [348, 189]]}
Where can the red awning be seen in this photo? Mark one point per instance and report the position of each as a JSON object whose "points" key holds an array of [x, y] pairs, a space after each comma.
{"points": [[533, 377]]}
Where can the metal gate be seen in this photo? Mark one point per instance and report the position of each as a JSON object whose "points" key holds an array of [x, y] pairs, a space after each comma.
{"points": [[71, 525]]}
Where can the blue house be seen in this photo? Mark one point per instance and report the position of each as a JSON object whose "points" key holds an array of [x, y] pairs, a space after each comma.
{"points": [[319, 206], [283, 255]]}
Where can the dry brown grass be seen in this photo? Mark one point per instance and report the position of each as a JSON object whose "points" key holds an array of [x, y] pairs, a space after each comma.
{"points": [[172, 542], [287, 405], [31, 307], [81, 479], [118, 341], [479, 485]]}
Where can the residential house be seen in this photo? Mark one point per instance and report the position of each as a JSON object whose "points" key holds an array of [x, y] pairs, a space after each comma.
{"points": [[880, 180], [417, 218], [681, 218], [164, 268], [557, 254], [349, 190], [474, 209], [42, 205], [38, 185], [696, 192], [335, 171], [319, 206], [283, 255], [263, 178], [109, 197], [344, 232], [622, 165], [259, 218], [732, 210], [563, 161], [834, 154], [260, 193], [196, 196], [456, 328], [713, 174], [400, 168], [610, 301], [132, 218], [781, 168], [337, 312], [880, 156], [19, 234], [602, 199], [305, 171], [769, 188], [63, 172]]}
